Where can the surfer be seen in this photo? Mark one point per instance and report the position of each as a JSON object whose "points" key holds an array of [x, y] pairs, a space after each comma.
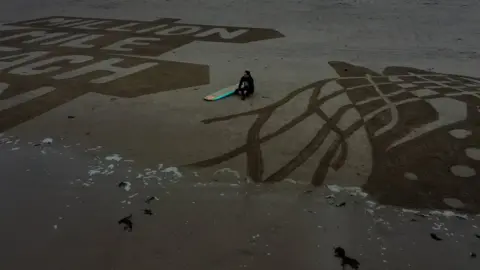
{"points": [[246, 86]]}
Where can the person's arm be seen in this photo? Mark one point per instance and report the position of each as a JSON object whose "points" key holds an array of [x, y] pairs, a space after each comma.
{"points": [[240, 83]]}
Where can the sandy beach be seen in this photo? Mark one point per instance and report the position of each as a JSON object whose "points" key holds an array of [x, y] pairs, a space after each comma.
{"points": [[361, 134]]}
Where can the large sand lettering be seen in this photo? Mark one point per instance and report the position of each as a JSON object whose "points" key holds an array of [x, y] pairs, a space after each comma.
{"points": [[58, 59]]}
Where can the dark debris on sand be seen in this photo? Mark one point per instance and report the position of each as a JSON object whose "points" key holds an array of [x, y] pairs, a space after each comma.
{"points": [[435, 237], [150, 199], [122, 185], [127, 222], [345, 260]]}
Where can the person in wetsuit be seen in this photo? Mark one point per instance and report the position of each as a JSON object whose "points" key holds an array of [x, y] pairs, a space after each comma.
{"points": [[246, 86]]}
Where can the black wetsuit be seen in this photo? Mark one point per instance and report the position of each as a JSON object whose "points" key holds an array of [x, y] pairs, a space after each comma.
{"points": [[246, 86]]}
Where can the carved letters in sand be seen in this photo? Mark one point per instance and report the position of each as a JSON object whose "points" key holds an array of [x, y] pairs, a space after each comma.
{"points": [[47, 62]]}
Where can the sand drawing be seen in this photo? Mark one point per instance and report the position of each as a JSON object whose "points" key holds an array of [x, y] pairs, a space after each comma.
{"points": [[421, 127]]}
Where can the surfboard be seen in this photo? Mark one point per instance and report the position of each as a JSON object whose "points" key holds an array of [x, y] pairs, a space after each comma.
{"points": [[222, 93]]}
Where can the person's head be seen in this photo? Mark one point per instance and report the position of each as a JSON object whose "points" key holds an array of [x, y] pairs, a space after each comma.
{"points": [[247, 73]]}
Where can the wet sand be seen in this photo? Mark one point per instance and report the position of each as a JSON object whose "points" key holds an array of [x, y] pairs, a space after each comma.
{"points": [[361, 134]]}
